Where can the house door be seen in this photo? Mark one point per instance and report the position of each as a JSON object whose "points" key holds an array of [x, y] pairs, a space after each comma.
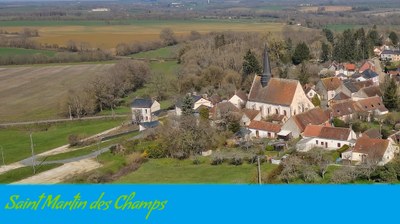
{"points": [[326, 144], [257, 134]]}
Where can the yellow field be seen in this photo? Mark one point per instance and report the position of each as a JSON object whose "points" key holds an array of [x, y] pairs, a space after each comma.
{"points": [[108, 36], [326, 8]]}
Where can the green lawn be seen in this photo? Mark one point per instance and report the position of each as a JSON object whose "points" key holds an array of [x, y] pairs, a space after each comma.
{"points": [[4, 51], [342, 27], [24, 172], [16, 143], [165, 52], [184, 171], [88, 149]]}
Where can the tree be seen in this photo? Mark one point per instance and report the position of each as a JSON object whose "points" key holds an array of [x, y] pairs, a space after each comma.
{"points": [[204, 113], [187, 105], [250, 64], [304, 75], [390, 95], [394, 38], [374, 37], [329, 35], [168, 37], [301, 53], [325, 52], [316, 101]]}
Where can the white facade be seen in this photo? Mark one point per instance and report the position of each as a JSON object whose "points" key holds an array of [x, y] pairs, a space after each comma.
{"points": [[300, 103], [328, 144], [311, 93], [202, 102], [146, 114], [237, 101], [255, 133], [246, 120]]}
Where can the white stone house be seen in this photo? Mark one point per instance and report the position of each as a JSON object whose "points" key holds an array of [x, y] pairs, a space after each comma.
{"points": [[379, 151], [239, 99], [197, 102], [326, 137], [327, 88], [296, 124], [263, 129], [250, 115], [143, 110]]}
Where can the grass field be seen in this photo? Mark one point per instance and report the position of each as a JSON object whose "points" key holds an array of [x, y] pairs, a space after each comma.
{"points": [[38, 92], [16, 142], [21, 51], [103, 35], [342, 27], [184, 171]]}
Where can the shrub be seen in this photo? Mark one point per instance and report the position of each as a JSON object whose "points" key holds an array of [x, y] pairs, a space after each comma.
{"points": [[74, 140], [236, 160], [269, 148], [155, 152], [217, 160]]}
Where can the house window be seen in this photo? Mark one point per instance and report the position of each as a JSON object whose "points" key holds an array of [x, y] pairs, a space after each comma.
{"points": [[284, 113], [257, 134], [322, 143], [316, 142], [269, 135], [276, 111], [145, 110], [338, 145]]}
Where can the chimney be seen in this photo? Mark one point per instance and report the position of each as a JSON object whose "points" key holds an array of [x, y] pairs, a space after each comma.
{"points": [[266, 76]]}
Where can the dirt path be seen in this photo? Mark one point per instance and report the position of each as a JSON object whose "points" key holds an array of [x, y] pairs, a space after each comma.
{"points": [[61, 173]]}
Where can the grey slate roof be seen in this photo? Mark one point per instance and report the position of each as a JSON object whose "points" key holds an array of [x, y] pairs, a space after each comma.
{"points": [[151, 124], [369, 74], [141, 103]]}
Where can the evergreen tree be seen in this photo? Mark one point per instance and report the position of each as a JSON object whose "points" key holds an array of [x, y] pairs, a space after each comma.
{"points": [[251, 64], [329, 35], [390, 96], [301, 53], [303, 75], [325, 52], [283, 72], [394, 38], [374, 38], [187, 105]]}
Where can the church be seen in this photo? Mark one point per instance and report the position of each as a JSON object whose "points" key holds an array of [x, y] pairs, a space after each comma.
{"points": [[275, 96]]}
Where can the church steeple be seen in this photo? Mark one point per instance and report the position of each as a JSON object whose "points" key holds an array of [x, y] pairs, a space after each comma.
{"points": [[266, 76]]}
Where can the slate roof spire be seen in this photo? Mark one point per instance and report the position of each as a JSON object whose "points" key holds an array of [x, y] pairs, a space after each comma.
{"points": [[266, 76]]}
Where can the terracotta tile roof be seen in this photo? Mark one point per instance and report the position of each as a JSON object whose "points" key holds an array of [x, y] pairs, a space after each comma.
{"points": [[241, 94], [265, 126], [251, 114], [372, 103], [372, 91], [348, 107], [278, 91], [331, 83], [327, 132], [314, 116], [350, 67], [367, 65], [374, 148], [341, 96], [373, 133]]}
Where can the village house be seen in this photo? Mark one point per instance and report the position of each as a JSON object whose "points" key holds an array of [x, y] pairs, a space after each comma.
{"points": [[362, 109], [367, 65], [263, 129], [351, 87], [197, 102], [223, 110], [327, 88], [296, 124], [390, 55], [376, 151], [367, 75], [250, 115], [310, 91], [366, 92], [326, 137], [277, 96], [143, 110], [239, 99]]}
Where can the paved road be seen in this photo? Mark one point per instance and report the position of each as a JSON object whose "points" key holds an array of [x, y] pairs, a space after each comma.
{"points": [[59, 120]]}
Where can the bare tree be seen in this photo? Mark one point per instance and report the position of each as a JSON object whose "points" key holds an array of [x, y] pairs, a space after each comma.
{"points": [[168, 36]]}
